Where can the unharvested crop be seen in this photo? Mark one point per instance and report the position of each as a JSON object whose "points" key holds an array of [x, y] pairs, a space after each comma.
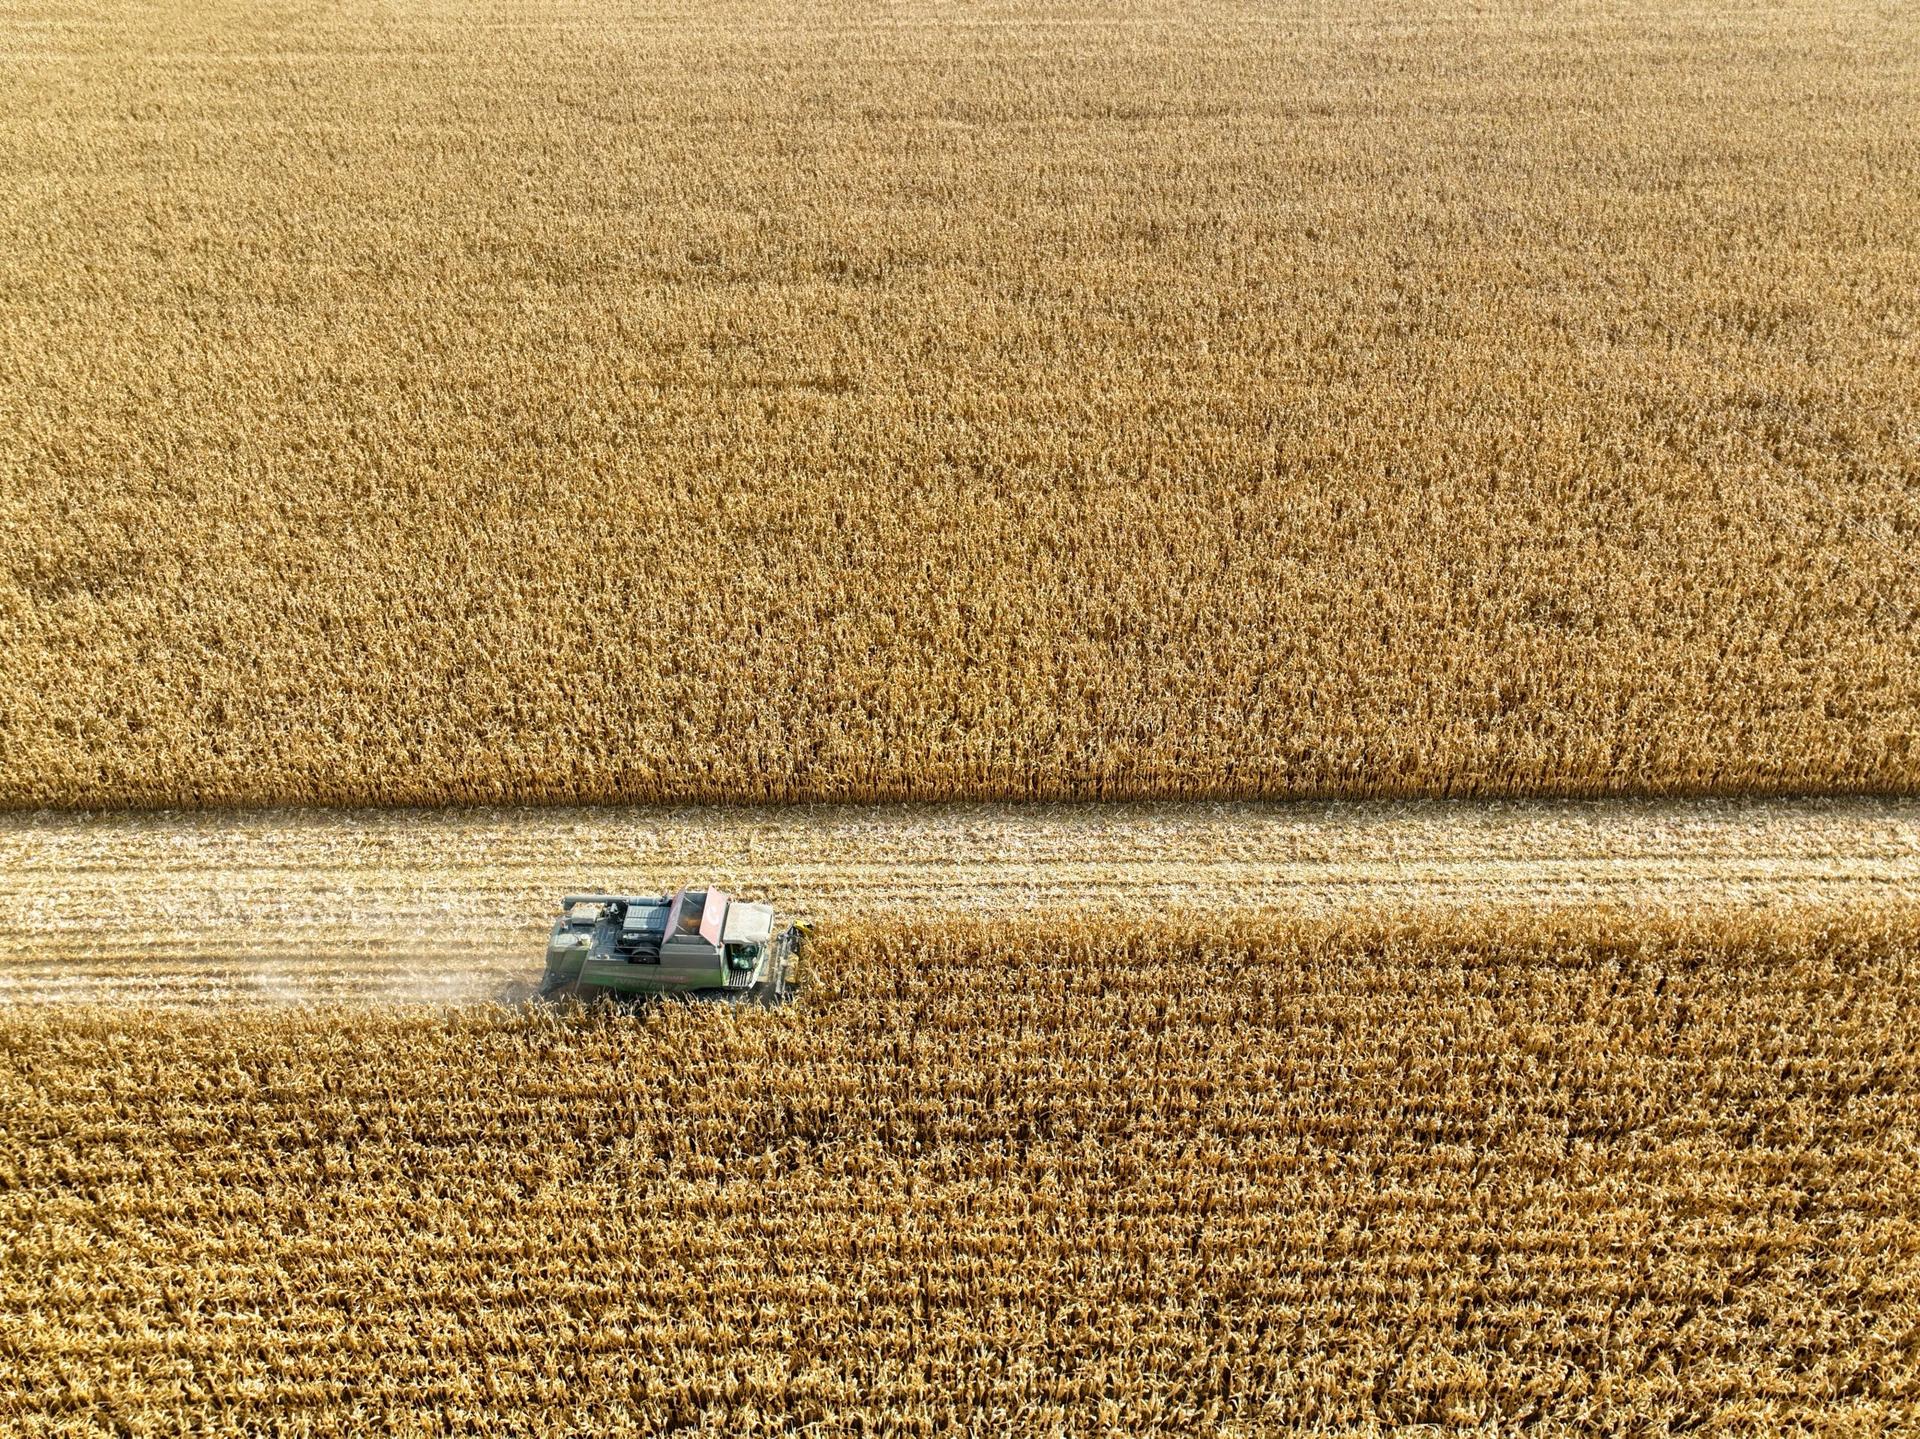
{"points": [[1572, 1173], [465, 402]]}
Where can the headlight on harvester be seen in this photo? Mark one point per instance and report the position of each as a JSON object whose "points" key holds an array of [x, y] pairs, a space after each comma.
{"points": [[742, 956]]}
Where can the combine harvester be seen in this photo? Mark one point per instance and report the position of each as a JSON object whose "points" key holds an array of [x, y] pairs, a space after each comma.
{"points": [[695, 943]]}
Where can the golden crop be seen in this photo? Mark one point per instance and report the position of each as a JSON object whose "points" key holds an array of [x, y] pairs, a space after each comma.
{"points": [[1594, 1176], [444, 403]]}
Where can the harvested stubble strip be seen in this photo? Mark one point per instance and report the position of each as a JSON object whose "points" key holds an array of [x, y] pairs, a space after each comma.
{"points": [[1600, 1173]]}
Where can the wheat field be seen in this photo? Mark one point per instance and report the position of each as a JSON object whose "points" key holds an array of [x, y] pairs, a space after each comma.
{"points": [[448, 402], [1353, 1176]]}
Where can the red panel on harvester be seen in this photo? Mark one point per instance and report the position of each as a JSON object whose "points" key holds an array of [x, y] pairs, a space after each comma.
{"points": [[715, 915]]}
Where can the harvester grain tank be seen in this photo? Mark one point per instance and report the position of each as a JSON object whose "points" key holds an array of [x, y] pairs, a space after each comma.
{"points": [[697, 943]]}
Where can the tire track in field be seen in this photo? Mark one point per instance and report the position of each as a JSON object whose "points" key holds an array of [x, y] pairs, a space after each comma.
{"points": [[451, 905]]}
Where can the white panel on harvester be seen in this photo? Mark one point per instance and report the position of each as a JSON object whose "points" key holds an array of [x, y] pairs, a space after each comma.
{"points": [[752, 922]]}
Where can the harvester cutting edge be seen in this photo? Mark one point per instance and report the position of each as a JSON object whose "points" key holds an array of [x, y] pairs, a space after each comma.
{"points": [[700, 944]]}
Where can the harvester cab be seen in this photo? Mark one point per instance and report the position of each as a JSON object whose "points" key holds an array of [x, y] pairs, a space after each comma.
{"points": [[697, 943]]}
